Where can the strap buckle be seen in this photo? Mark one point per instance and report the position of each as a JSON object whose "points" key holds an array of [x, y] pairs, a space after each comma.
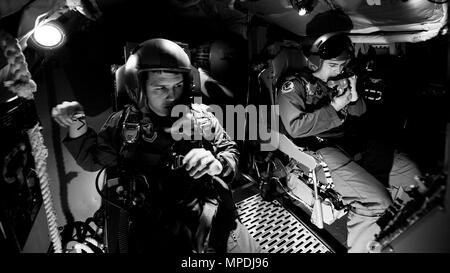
{"points": [[131, 127]]}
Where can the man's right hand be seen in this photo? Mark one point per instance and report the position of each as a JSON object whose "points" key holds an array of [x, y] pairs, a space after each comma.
{"points": [[71, 115], [341, 101]]}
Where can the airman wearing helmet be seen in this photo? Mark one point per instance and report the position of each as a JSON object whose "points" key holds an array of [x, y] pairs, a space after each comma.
{"points": [[182, 214], [315, 105], [313, 115]]}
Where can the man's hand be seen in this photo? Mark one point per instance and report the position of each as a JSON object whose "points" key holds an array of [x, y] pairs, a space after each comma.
{"points": [[189, 125], [183, 128], [199, 162], [341, 101], [354, 96], [71, 115], [64, 113]]}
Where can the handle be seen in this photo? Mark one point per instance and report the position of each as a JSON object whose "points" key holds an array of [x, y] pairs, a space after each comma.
{"points": [[317, 202]]}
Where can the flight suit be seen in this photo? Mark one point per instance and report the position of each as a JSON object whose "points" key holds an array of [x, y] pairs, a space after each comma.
{"points": [[309, 119], [177, 201]]}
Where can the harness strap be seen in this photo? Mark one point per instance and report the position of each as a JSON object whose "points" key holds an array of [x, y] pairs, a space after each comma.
{"points": [[329, 184], [205, 223], [329, 181]]}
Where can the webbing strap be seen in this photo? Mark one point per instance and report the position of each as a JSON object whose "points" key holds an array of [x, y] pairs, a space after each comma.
{"points": [[329, 181], [205, 222]]}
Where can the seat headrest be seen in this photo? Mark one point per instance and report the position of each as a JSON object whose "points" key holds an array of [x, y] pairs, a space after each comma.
{"points": [[288, 59]]}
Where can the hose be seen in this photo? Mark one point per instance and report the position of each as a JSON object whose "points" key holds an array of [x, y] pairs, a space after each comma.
{"points": [[102, 195]]}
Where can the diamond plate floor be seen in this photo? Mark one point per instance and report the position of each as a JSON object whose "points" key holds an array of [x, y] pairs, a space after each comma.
{"points": [[276, 229]]}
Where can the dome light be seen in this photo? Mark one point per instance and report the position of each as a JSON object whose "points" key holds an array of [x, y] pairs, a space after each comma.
{"points": [[48, 36], [303, 7], [302, 12]]}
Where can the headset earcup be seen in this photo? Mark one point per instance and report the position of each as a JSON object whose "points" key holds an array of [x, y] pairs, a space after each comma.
{"points": [[314, 62]]}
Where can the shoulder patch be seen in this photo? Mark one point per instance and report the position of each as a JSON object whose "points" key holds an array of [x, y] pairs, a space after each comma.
{"points": [[310, 88], [287, 87]]}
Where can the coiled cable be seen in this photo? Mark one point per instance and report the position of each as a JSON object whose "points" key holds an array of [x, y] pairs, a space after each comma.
{"points": [[102, 195]]}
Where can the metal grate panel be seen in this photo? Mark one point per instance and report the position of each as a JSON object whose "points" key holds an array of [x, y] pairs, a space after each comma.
{"points": [[276, 229]]}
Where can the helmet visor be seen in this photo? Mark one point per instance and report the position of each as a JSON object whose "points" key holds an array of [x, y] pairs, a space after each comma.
{"points": [[337, 47]]}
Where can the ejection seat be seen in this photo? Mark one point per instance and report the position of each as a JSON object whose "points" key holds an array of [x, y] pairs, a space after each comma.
{"points": [[308, 180]]}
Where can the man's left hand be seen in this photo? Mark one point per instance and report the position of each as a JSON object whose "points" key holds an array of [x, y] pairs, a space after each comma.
{"points": [[354, 94], [199, 162]]}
